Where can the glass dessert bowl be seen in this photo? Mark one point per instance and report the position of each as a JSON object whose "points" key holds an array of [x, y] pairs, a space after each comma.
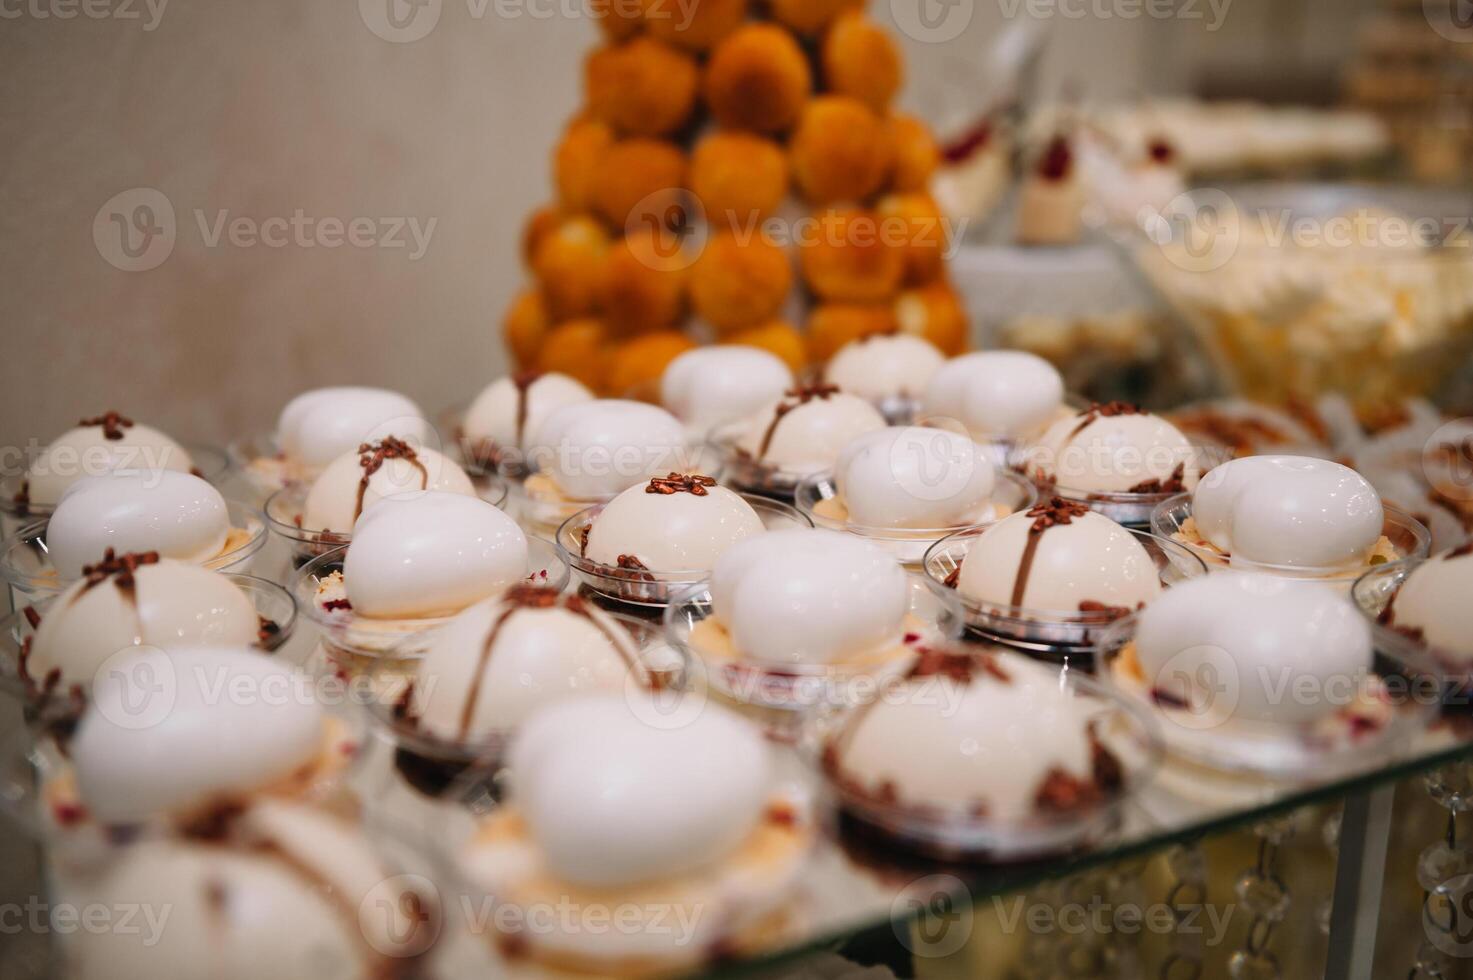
{"points": [[1117, 460], [906, 487], [802, 619], [174, 515], [772, 450], [1249, 674], [414, 562], [477, 678], [318, 518], [1051, 578], [1291, 516], [1420, 614], [983, 755], [611, 812], [653, 543], [319, 426]]}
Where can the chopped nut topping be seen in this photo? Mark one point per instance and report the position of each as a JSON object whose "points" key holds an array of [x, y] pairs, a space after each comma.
{"points": [[119, 568], [112, 424], [692, 483]]}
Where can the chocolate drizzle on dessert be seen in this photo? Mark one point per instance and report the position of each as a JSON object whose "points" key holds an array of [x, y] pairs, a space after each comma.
{"points": [[693, 483], [515, 600], [113, 424], [373, 455], [522, 381], [1050, 513], [1175, 483], [801, 395], [120, 569]]}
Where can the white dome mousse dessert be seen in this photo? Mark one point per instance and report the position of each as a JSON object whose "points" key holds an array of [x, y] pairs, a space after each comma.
{"points": [[175, 514], [1434, 606], [804, 431], [1061, 557], [96, 446], [357, 480], [1290, 512], [987, 751], [593, 450], [678, 522], [808, 598], [424, 555], [502, 419], [912, 478], [885, 367], [996, 394], [1226, 656], [499, 661], [133, 600], [1115, 448], [710, 386], [318, 426], [609, 811]]}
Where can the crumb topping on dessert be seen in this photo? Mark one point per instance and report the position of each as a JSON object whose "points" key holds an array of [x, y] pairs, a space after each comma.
{"points": [[1175, 483], [113, 423], [959, 666], [120, 569], [692, 483], [373, 455]]}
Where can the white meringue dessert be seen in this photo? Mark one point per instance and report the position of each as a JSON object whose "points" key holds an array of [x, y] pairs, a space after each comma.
{"points": [[318, 426], [1115, 449], [593, 450], [1296, 513], [494, 664], [1001, 394], [425, 555], [608, 809], [357, 480], [288, 889], [884, 367], [502, 419], [910, 477], [97, 446], [804, 431], [808, 598], [175, 514], [710, 386], [676, 523], [985, 750], [1059, 557], [135, 600], [1283, 664], [1434, 606]]}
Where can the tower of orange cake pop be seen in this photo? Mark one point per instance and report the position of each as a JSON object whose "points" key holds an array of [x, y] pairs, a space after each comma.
{"points": [[737, 173]]}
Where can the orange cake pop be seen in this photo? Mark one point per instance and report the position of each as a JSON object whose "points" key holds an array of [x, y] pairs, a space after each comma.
{"points": [[568, 263], [693, 24], [642, 287], [861, 60], [916, 224], [758, 79], [811, 16], [849, 258], [739, 178], [740, 282], [539, 225], [777, 337], [525, 327], [577, 160], [618, 19], [642, 87], [579, 349], [916, 154], [935, 313], [841, 151], [639, 179], [636, 364]]}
